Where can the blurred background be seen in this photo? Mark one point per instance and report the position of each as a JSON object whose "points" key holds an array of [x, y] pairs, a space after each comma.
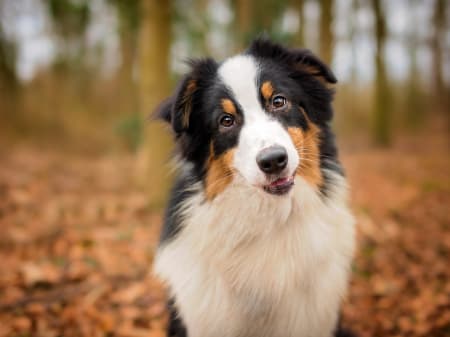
{"points": [[84, 174]]}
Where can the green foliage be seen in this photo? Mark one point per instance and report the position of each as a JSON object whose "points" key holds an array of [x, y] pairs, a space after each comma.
{"points": [[282, 37], [92, 84], [192, 23], [383, 98], [263, 17], [71, 17], [8, 55], [129, 15], [130, 129]]}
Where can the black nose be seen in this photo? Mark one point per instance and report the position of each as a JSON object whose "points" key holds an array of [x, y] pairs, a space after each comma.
{"points": [[272, 160]]}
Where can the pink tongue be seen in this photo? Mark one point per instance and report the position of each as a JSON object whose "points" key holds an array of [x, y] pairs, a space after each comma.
{"points": [[280, 181]]}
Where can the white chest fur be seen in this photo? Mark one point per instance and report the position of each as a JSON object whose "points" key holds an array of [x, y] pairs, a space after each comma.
{"points": [[249, 264]]}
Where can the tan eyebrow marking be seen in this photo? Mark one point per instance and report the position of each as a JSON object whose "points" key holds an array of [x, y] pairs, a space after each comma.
{"points": [[316, 73], [267, 89], [228, 106]]}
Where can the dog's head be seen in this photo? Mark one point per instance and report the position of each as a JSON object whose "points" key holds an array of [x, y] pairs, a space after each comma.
{"points": [[260, 118]]}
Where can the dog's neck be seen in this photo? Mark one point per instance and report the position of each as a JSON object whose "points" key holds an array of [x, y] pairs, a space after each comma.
{"points": [[257, 252], [244, 214]]}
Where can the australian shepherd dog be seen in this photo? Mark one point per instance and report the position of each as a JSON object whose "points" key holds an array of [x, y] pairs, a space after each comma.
{"points": [[258, 235]]}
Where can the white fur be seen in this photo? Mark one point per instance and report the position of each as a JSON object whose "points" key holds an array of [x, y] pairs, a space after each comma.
{"points": [[239, 74], [250, 264]]}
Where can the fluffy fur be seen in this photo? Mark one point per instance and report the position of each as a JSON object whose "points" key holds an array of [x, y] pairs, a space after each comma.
{"points": [[245, 254]]}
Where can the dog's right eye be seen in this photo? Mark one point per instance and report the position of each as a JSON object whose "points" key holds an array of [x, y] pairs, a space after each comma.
{"points": [[227, 120], [279, 102]]}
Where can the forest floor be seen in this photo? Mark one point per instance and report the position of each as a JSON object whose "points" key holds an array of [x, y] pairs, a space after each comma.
{"points": [[77, 243]]}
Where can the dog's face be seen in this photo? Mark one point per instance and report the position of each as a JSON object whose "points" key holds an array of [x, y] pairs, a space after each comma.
{"points": [[259, 118]]}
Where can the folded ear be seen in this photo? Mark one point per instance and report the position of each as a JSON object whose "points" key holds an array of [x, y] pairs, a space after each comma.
{"points": [[178, 109], [299, 59], [183, 103], [305, 60], [164, 110]]}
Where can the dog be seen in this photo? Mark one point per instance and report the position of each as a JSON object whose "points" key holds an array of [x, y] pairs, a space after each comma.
{"points": [[258, 236]]}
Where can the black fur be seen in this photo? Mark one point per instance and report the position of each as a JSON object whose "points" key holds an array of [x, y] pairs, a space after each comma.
{"points": [[305, 89], [295, 72], [194, 110], [179, 193], [306, 70], [344, 333], [175, 327], [293, 58]]}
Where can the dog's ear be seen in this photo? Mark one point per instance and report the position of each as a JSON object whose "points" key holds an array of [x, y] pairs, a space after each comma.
{"points": [[305, 60], [164, 110], [303, 66], [177, 110], [299, 59], [183, 103]]}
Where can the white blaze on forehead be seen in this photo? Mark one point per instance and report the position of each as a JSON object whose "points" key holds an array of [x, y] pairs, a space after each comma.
{"points": [[239, 74]]}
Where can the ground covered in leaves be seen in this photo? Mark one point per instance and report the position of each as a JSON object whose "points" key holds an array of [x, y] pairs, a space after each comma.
{"points": [[77, 242]]}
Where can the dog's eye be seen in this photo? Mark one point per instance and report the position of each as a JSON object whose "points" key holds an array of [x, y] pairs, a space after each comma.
{"points": [[226, 120], [278, 102]]}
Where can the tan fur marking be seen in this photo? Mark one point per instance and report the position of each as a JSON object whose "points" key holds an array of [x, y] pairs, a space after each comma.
{"points": [[228, 106], [267, 90], [187, 101], [307, 145], [219, 174], [314, 71]]}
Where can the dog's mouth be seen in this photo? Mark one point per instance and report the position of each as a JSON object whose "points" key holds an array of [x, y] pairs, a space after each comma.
{"points": [[280, 186]]}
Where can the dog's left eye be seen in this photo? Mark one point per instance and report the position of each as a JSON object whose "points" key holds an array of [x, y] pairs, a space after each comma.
{"points": [[278, 102], [226, 120]]}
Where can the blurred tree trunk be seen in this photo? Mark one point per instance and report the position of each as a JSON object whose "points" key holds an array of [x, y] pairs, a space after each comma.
{"points": [[9, 85], [243, 22], [326, 34], [382, 104], [154, 44], [353, 35], [441, 94], [125, 73], [414, 98], [414, 105], [129, 24], [299, 39], [254, 17]]}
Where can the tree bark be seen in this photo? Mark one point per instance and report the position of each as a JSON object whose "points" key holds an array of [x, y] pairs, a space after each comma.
{"points": [[154, 44], [441, 94], [353, 36], [326, 39], [243, 22], [299, 39], [382, 104], [255, 17], [413, 113]]}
